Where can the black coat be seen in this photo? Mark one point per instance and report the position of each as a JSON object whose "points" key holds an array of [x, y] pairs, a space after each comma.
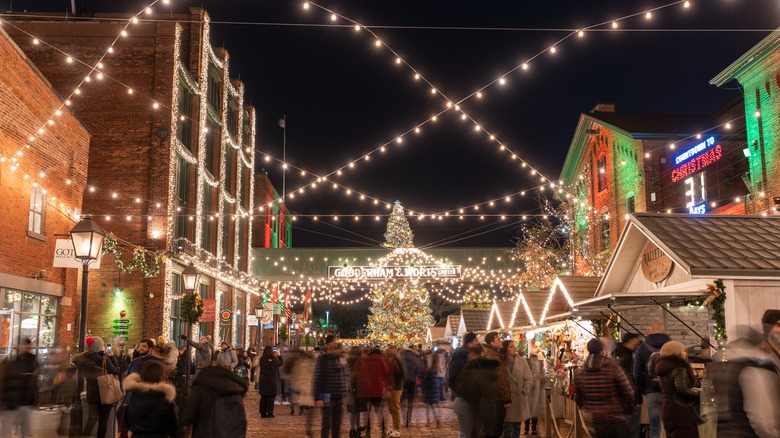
{"points": [[90, 365], [151, 411], [680, 403], [215, 408], [19, 386], [270, 382]]}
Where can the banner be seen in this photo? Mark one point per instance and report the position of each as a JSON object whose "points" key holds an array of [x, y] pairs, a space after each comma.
{"points": [[379, 273], [209, 311], [64, 256]]}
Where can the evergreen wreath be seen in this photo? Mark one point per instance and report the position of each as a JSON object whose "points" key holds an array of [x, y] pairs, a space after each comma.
{"points": [[191, 308]]}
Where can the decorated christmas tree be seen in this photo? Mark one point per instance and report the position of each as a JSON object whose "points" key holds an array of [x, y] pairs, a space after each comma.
{"points": [[401, 313]]}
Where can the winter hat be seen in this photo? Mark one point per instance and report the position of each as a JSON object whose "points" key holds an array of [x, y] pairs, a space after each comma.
{"points": [[672, 348], [595, 346], [770, 318], [94, 343]]}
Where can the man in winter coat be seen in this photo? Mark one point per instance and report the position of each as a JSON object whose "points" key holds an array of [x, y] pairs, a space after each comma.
{"points": [[414, 371], [371, 371], [645, 385], [331, 385], [493, 344], [227, 357], [624, 354], [145, 353], [475, 387], [394, 383], [203, 351], [463, 408], [215, 408], [19, 390], [604, 393]]}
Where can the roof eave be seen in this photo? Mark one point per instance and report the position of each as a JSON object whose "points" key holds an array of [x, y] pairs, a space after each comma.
{"points": [[755, 54]]}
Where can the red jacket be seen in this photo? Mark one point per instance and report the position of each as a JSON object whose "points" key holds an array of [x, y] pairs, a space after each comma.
{"points": [[371, 373]]}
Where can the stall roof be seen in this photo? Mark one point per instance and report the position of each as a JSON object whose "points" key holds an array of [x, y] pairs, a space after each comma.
{"points": [[475, 320], [501, 313], [705, 246]]}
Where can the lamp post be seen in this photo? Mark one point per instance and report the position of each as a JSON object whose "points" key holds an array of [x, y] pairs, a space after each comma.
{"points": [[191, 277], [260, 313], [87, 238]]}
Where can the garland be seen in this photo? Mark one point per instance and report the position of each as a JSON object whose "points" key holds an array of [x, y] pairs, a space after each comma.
{"points": [[191, 308], [110, 245], [716, 297]]}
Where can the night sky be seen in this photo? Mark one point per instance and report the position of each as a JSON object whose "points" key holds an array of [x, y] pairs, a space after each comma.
{"points": [[343, 97]]}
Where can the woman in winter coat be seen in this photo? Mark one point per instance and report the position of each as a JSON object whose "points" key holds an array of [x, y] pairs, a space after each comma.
{"points": [[301, 378], [432, 388], [536, 361], [679, 411], [151, 411], [520, 383], [215, 407], [90, 364], [270, 382], [371, 372]]}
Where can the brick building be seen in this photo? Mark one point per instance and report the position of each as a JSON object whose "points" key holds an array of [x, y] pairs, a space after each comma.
{"points": [[622, 163], [41, 189], [758, 73], [272, 224], [172, 159]]}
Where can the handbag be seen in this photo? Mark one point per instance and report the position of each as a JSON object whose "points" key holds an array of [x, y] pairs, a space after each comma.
{"points": [[108, 386]]}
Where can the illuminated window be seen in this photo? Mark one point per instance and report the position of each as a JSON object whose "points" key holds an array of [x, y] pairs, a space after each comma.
{"points": [[601, 171], [177, 324], [37, 209], [186, 116], [215, 89], [604, 233], [182, 198]]}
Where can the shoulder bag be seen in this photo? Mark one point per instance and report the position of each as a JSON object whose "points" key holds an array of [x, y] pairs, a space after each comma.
{"points": [[108, 386]]}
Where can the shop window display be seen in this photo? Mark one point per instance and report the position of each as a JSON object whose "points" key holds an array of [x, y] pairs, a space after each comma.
{"points": [[27, 315]]}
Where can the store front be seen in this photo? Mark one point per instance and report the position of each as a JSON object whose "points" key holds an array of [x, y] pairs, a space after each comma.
{"points": [[27, 315]]}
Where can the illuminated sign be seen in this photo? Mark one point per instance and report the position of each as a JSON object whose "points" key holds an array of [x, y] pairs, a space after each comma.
{"points": [[694, 151], [696, 190], [697, 162], [698, 209], [379, 273]]}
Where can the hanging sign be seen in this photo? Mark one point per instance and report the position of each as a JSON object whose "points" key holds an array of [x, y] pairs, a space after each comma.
{"points": [[225, 315], [379, 273], [656, 265], [209, 311], [64, 256]]}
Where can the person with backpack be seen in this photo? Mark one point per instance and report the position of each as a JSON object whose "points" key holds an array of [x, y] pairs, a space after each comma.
{"points": [[680, 412], [647, 355], [215, 407]]}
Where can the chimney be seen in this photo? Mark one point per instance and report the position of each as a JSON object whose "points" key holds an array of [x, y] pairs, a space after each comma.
{"points": [[603, 108]]}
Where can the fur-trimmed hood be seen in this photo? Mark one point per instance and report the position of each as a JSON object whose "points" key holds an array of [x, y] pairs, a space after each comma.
{"points": [[133, 382]]}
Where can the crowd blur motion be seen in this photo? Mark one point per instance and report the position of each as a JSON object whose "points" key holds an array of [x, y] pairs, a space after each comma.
{"points": [[643, 386]]}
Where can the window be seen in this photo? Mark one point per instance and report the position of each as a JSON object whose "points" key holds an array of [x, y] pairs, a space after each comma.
{"points": [[232, 118], [225, 327], [604, 233], [601, 168], [212, 148], [182, 198], [245, 182], [239, 312], [205, 328], [242, 244], [215, 91], [184, 126], [209, 224], [230, 170], [30, 316], [630, 205], [37, 208], [177, 324], [227, 233]]}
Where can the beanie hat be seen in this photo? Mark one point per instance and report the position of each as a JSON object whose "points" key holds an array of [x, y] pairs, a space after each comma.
{"points": [[672, 348], [94, 343], [770, 318], [160, 341], [595, 346]]}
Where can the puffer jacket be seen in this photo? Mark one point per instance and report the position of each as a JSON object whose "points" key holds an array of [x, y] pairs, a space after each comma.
{"points": [[371, 374], [502, 383], [151, 411], [679, 411], [215, 408], [602, 389], [202, 353], [228, 359]]}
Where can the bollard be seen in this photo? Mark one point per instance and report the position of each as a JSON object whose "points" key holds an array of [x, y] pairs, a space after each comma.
{"points": [[548, 419]]}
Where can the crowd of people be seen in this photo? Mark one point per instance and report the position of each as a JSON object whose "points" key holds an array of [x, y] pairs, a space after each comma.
{"points": [[497, 390]]}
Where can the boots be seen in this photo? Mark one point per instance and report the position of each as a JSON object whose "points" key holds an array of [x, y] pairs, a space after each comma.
{"points": [[533, 426], [527, 425]]}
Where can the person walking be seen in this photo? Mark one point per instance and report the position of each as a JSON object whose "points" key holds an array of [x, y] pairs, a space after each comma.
{"points": [[301, 377], [19, 390], [464, 410], [92, 363], [536, 363], [432, 389], [355, 407], [624, 355], [270, 361], [227, 356], [492, 346], [372, 373], [520, 383], [647, 382], [475, 386], [680, 408], [443, 361], [151, 409], [414, 372], [604, 394], [203, 351], [215, 408], [394, 383], [331, 383]]}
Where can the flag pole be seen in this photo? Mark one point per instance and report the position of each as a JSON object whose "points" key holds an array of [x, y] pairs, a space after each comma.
{"points": [[284, 155]]}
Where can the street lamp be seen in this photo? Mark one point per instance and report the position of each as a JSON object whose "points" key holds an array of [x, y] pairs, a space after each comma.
{"points": [[260, 313], [191, 277], [87, 238]]}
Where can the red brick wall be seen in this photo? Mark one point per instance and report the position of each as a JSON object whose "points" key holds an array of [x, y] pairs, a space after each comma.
{"points": [[26, 102]]}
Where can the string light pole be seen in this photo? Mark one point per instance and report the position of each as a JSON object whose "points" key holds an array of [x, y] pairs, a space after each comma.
{"points": [[191, 277], [87, 238]]}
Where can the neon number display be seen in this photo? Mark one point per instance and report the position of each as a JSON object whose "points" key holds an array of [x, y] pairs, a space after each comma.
{"points": [[697, 163], [696, 194]]}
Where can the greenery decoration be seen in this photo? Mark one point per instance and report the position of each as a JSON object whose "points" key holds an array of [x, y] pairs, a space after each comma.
{"points": [[111, 245], [191, 308], [716, 298], [284, 333]]}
